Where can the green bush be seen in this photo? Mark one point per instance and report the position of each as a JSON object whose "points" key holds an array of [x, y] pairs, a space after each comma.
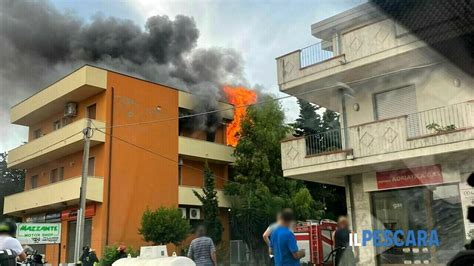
{"points": [[163, 226], [111, 255]]}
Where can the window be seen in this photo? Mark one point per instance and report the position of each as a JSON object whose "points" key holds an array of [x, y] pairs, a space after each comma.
{"points": [[57, 125], [91, 111], [180, 172], [56, 175], [66, 121], [211, 136], [34, 181], [420, 208], [60, 173], [53, 176], [91, 170], [37, 133], [398, 102]]}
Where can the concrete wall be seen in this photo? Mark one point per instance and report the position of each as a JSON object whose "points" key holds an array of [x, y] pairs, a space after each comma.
{"points": [[435, 87]]}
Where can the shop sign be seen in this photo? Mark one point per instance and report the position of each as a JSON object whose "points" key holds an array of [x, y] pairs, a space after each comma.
{"points": [[467, 200], [38, 218], [38, 233], [417, 176], [71, 214]]}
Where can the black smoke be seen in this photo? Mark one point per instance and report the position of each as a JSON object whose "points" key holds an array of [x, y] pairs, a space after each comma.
{"points": [[39, 44]]}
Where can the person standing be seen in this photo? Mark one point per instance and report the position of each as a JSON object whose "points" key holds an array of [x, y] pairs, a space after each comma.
{"points": [[88, 257], [8, 240], [344, 254], [202, 250], [266, 236], [283, 242]]}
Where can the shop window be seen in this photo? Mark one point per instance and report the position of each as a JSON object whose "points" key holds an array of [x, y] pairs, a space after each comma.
{"points": [[71, 237], [91, 111], [34, 181], [91, 170], [421, 208]]}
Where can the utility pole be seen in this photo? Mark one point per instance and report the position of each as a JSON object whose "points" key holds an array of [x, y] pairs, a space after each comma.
{"points": [[87, 131]]}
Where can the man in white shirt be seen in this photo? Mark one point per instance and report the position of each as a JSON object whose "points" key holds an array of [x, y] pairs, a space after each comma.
{"points": [[7, 240]]}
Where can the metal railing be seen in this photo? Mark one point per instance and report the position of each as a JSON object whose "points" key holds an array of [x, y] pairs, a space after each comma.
{"points": [[440, 120], [328, 141], [314, 54]]}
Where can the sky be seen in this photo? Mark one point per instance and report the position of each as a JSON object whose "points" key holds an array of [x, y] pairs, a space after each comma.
{"points": [[259, 30]]}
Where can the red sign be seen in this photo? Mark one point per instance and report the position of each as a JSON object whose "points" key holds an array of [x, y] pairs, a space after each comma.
{"points": [[71, 214], [424, 175]]}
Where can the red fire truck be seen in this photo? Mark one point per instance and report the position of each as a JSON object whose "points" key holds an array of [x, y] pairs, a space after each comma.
{"points": [[316, 237]]}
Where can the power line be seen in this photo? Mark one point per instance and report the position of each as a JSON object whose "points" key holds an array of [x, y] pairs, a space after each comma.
{"points": [[268, 100], [230, 108], [45, 148], [162, 156]]}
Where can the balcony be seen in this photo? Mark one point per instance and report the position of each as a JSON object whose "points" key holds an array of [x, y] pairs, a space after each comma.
{"points": [[205, 150], [349, 56], [52, 196], [186, 197], [434, 132], [59, 143], [83, 83]]}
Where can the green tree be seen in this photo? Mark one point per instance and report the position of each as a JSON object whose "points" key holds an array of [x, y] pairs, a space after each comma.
{"points": [[309, 120], [322, 125], [11, 181], [314, 120], [260, 190], [111, 255], [163, 226], [210, 206]]}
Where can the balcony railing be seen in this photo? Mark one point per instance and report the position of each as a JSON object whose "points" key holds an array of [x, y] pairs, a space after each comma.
{"points": [[314, 54], [440, 120], [377, 136], [328, 141]]}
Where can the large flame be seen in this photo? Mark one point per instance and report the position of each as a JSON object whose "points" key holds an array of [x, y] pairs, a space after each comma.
{"points": [[240, 97]]}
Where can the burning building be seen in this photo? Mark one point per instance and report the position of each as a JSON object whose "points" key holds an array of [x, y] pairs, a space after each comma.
{"points": [[142, 156]]}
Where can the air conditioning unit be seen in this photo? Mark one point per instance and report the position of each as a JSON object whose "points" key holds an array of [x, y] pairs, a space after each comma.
{"points": [[70, 109], [183, 213], [194, 213]]}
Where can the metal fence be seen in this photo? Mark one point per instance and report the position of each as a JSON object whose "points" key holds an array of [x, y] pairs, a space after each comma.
{"points": [[440, 120], [328, 141], [314, 54]]}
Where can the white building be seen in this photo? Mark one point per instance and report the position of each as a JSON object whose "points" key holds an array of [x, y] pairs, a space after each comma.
{"points": [[406, 145]]}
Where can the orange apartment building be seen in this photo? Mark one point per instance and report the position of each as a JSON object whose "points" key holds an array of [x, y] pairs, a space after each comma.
{"points": [[132, 166]]}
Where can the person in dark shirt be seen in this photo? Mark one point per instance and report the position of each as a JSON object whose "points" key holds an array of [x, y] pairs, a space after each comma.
{"points": [[88, 257], [283, 242], [344, 254]]}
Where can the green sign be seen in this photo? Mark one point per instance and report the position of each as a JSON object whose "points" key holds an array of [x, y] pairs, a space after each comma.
{"points": [[39, 233]]}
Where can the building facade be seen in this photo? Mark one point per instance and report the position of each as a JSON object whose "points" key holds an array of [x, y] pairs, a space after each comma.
{"points": [[141, 156], [405, 144]]}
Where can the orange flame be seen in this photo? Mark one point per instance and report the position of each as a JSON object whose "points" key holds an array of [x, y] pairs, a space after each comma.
{"points": [[240, 97]]}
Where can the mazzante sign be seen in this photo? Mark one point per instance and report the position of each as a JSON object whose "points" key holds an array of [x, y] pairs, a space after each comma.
{"points": [[39, 233]]}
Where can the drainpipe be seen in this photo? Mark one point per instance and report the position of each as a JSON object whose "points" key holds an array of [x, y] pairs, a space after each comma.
{"points": [[344, 118]]}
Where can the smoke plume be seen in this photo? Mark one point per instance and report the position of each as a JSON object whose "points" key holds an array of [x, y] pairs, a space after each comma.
{"points": [[39, 44]]}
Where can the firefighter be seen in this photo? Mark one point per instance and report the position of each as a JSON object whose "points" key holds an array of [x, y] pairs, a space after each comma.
{"points": [[88, 257]]}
